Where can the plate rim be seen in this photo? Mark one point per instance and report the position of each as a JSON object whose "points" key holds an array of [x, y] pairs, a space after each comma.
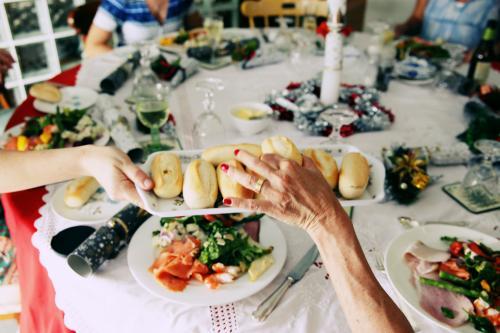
{"points": [[37, 101], [165, 292]]}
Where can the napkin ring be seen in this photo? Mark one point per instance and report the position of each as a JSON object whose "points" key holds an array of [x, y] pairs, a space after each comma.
{"points": [[117, 221]]}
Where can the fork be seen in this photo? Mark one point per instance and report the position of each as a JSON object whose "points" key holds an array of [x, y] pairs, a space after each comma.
{"points": [[379, 265]]}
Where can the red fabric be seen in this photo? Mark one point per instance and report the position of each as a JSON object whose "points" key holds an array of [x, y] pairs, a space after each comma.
{"points": [[496, 65], [39, 313]]}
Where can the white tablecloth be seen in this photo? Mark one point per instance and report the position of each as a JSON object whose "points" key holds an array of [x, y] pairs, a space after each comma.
{"points": [[111, 300]]}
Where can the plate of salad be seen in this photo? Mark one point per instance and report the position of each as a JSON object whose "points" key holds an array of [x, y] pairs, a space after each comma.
{"points": [[450, 275], [206, 259], [66, 128]]}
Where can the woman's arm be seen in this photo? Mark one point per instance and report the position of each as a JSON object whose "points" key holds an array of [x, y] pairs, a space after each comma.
{"points": [[110, 166], [300, 196], [413, 24], [366, 305], [97, 41]]}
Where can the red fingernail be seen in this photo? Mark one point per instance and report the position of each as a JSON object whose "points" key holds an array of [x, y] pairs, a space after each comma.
{"points": [[228, 202], [224, 167], [236, 151]]}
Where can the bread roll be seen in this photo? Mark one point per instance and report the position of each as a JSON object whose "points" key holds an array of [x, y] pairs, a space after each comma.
{"points": [[218, 154], [325, 163], [46, 92], [230, 188], [166, 172], [200, 185], [283, 146], [79, 191], [354, 175]]}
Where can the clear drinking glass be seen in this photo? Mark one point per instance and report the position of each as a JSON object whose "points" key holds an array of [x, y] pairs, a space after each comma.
{"points": [[152, 109], [208, 127], [337, 117], [145, 77], [482, 174], [214, 25]]}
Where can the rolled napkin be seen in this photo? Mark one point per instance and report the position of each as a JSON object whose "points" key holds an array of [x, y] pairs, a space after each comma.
{"points": [[120, 130], [262, 57], [116, 79], [455, 154], [174, 70], [107, 242]]}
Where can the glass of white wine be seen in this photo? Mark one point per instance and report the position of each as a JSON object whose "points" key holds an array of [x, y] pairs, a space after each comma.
{"points": [[152, 108], [214, 26]]}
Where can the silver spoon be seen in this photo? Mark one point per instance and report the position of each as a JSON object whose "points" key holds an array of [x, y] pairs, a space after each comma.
{"points": [[409, 222]]}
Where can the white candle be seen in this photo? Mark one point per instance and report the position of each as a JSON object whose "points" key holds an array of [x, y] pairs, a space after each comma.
{"points": [[330, 84]]}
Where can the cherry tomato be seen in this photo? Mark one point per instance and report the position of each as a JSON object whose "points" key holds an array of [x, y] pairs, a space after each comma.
{"points": [[456, 248], [209, 218], [477, 250], [11, 143], [451, 267]]}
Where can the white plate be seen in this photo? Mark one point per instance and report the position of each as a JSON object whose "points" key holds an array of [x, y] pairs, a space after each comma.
{"points": [[176, 207], [72, 98], [97, 210], [399, 273], [227, 34], [18, 129], [141, 254]]}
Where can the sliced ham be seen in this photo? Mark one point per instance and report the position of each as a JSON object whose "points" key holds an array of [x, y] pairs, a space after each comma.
{"points": [[424, 252], [432, 299], [425, 261], [252, 229]]}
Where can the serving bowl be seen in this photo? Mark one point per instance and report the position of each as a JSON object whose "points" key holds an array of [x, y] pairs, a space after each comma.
{"points": [[253, 125]]}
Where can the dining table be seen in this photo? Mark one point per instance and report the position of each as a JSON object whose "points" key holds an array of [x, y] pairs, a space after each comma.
{"points": [[56, 299]]}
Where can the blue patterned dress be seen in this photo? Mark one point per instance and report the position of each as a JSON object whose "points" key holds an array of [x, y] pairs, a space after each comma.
{"points": [[460, 23]]}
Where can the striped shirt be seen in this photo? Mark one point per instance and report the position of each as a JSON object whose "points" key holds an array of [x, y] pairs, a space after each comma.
{"points": [[133, 22], [456, 22]]}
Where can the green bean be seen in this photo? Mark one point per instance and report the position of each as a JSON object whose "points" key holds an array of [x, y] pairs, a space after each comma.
{"points": [[450, 287]]}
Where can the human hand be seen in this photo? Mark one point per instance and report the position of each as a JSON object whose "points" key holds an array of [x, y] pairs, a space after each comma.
{"points": [[6, 62], [291, 193], [116, 173]]}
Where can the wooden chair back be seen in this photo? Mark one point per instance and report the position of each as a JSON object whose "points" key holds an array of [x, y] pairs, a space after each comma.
{"points": [[271, 8]]}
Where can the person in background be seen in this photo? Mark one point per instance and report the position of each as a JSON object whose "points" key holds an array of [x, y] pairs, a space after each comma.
{"points": [[299, 195], [453, 21], [6, 62], [135, 21]]}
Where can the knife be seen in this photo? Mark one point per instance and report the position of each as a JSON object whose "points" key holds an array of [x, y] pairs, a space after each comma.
{"points": [[269, 304]]}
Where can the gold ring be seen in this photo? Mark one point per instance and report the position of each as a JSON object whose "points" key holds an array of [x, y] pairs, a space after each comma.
{"points": [[257, 187]]}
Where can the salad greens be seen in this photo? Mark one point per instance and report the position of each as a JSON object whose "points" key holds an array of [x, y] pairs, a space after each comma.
{"points": [[226, 244]]}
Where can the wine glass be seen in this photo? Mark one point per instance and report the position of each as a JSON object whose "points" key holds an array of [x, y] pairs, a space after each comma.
{"points": [[145, 77], [208, 126], [214, 25], [482, 174], [337, 117], [152, 108]]}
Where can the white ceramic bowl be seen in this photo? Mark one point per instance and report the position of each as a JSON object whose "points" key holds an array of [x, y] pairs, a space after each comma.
{"points": [[251, 126]]}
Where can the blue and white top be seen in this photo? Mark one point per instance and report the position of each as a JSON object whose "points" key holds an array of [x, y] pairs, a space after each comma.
{"points": [[133, 21], [456, 22]]}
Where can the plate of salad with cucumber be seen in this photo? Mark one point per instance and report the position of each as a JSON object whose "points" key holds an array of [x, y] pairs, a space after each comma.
{"points": [[450, 275], [207, 259]]}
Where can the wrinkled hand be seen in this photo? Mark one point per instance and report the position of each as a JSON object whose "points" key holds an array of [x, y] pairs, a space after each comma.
{"points": [[116, 173], [292, 193], [6, 62]]}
